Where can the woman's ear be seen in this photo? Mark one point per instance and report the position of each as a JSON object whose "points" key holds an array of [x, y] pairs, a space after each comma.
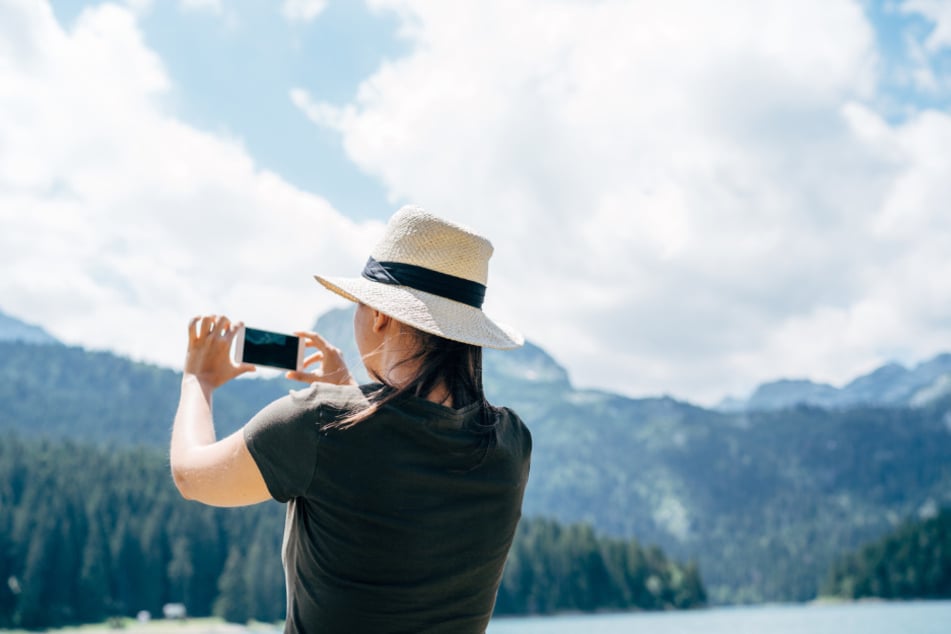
{"points": [[380, 321]]}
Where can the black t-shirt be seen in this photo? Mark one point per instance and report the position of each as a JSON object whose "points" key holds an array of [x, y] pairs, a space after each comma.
{"points": [[401, 523]]}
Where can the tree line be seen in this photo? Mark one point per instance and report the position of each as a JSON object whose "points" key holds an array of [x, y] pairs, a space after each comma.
{"points": [[914, 562], [761, 494], [88, 533], [554, 567]]}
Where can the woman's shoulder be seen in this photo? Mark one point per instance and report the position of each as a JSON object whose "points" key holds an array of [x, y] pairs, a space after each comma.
{"points": [[512, 425], [317, 395], [509, 414]]}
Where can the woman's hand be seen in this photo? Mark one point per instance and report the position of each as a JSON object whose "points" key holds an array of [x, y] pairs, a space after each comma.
{"points": [[333, 369], [209, 351]]}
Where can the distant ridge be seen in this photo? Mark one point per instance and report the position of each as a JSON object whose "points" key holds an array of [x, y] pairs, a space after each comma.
{"points": [[890, 385], [12, 329]]}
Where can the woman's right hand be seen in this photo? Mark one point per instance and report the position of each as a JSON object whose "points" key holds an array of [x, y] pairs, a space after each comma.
{"points": [[209, 351], [333, 369]]}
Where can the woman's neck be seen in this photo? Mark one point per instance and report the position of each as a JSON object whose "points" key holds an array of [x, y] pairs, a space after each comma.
{"points": [[394, 362]]}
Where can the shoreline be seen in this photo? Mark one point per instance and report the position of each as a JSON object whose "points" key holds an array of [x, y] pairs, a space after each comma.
{"points": [[203, 625], [214, 625]]}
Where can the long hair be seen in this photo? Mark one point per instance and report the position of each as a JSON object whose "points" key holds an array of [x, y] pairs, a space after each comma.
{"points": [[452, 365]]}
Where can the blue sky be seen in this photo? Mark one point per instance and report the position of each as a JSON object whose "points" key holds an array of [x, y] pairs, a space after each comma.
{"points": [[232, 75], [898, 34], [684, 199]]}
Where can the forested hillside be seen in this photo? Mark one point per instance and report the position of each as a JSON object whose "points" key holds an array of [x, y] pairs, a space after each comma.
{"points": [[92, 532], [87, 533], [913, 562], [97, 397], [764, 502]]}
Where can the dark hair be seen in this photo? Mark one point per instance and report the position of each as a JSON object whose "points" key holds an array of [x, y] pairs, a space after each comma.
{"points": [[444, 363]]}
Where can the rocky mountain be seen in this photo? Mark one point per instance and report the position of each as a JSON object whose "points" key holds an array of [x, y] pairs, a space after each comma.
{"points": [[890, 385], [763, 500], [528, 367]]}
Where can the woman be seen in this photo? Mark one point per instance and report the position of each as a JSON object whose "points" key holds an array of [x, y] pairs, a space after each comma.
{"points": [[403, 495]]}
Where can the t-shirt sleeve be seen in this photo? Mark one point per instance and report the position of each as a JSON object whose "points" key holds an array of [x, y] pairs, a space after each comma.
{"points": [[282, 438]]}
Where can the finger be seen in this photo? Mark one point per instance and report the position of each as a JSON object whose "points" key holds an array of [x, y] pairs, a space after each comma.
{"points": [[314, 358], [307, 338], [206, 324], [223, 325], [232, 331], [192, 334], [305, 377], [319, 342], [216, 327], [246, 367]]}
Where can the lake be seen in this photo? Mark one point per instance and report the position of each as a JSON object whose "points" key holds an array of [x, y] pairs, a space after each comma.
{"points": [[913, 617]]}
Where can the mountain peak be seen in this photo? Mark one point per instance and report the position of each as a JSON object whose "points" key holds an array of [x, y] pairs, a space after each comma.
{"points": [[12, 329], [891, 384], [529, 363], [790, 392]]}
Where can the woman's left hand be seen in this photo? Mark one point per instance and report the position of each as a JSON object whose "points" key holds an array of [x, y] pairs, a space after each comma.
{"points": [[209, 351], [333, 369]]}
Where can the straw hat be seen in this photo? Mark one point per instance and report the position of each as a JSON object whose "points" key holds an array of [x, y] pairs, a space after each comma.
{"points": [[430, 274]]}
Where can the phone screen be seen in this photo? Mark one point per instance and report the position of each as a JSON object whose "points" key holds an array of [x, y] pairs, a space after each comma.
{"points": [[262, 347]]}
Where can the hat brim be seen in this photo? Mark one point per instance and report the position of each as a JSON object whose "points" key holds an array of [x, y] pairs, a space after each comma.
{"points": [[427, 312]]}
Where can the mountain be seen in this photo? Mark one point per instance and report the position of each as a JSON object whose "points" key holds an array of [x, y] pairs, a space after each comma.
{"points": [[528, 367], [764, 501], [890, 385], [790, 392], [12, 329]]}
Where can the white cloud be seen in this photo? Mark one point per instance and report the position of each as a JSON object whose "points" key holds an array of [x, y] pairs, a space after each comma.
{"points": [[214, 6], [139, 6], [925, 69], [684, 198], [938, 12], [302, 10], [119, 221]]}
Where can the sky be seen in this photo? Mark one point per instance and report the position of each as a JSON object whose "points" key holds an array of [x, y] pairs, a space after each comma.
{"points": [[685, 197]]}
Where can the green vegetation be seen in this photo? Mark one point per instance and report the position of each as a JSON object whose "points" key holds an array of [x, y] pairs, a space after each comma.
{"points": [[763, 502], [99, 398], [554, 568], [153, 626], [914, 562], [87, 533]]}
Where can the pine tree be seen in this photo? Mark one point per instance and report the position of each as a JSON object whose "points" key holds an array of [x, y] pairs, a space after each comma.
{"points": [[232, 603], [264, 575], [153, 541], [180, 572], [93, 596]]}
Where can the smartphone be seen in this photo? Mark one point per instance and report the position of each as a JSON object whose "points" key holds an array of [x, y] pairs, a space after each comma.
{"points": [[273, 349]]}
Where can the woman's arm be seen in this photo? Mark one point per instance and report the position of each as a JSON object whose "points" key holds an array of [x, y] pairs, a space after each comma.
{"points": [[219, 473]]}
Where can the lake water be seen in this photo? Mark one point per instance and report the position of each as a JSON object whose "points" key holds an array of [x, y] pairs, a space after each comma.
{"points": [[914, 617]]}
